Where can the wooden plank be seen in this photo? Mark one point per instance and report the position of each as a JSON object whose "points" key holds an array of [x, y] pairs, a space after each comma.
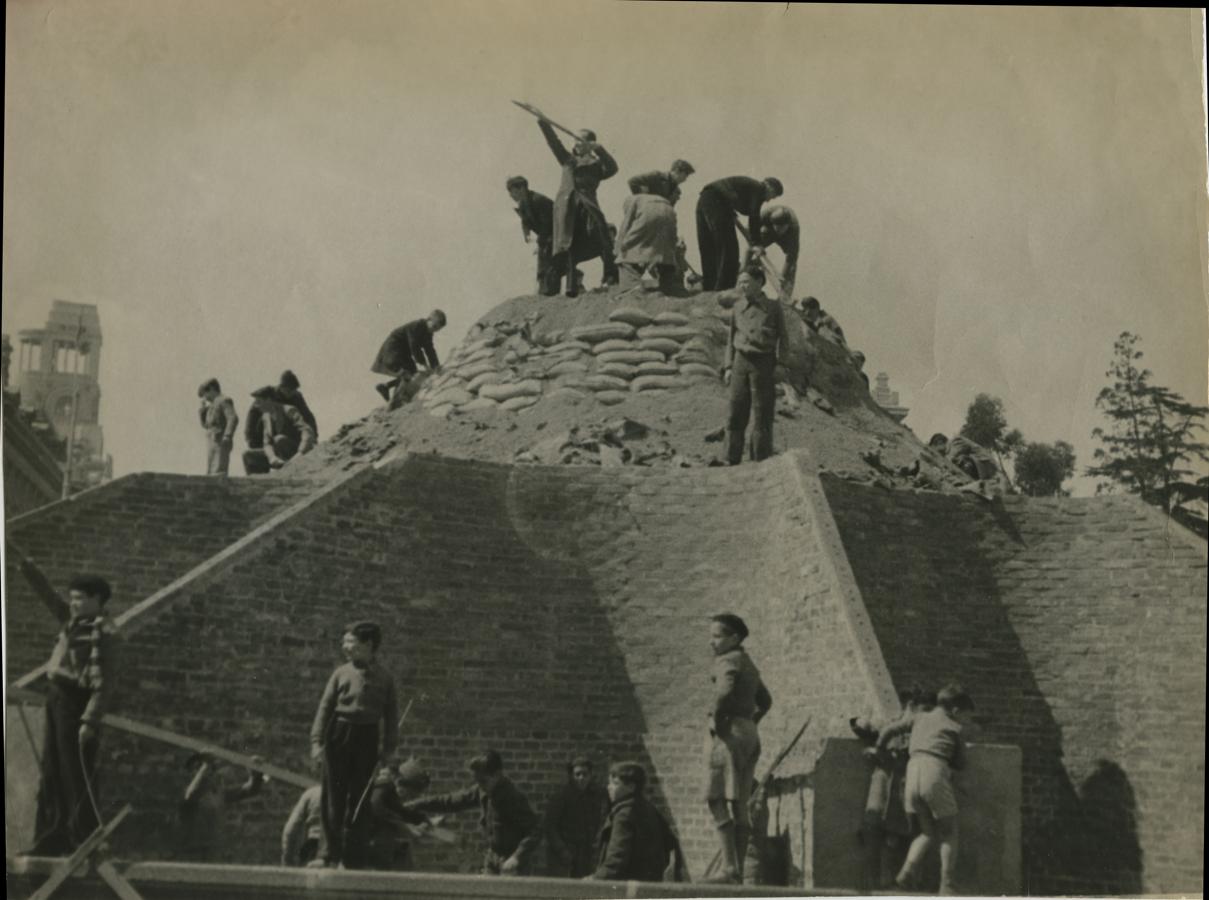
{"points": [[73, 862], [179, 740], [151, 732], [119, 885]]}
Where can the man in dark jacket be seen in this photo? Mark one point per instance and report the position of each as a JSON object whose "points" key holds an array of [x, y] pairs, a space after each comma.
{"points": [[573, 821], [274, 433], [392, 826], [536, 213], [580, 230], [512, 829], [662, 183], [636, 842], [288, 393], [403, 348], [720, 201], [779, 225]]}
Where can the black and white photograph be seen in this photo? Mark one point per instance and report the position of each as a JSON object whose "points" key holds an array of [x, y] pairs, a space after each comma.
{"points": [[603, 448]]}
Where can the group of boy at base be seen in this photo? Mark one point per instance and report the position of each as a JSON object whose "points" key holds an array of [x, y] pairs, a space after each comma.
{"points": [[355, 733], [911, 805], [279, 426], [572, 228]]}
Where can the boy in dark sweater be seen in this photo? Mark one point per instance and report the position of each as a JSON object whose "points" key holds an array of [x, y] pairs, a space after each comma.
{"points": [[79, 678], [359, 708], [512, 829], [404, 348]]}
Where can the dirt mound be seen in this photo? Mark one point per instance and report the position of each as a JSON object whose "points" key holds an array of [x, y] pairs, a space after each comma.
{"points": [[626, 378]]}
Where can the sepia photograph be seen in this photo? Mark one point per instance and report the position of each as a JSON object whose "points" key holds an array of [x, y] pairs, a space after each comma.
{"points": [[603, 448]]}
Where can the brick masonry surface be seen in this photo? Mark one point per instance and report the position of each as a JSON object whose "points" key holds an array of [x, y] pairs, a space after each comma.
{"points": [[552, 611], [1078, 625], [140, 532]]}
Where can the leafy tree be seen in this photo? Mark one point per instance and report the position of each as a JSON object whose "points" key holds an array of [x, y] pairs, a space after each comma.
{"points": [[1041, 468], [1149, 442], [986, 425]]}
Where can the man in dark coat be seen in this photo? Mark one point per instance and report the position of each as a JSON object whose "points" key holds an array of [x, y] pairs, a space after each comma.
{"points": [[512, 829], [274, 433], [536, 212], [779, 225], [403, 348], [662, 183], [288, 393], [392, 827], [720, 201], [636, 842], [580, 230], [573, 821]]}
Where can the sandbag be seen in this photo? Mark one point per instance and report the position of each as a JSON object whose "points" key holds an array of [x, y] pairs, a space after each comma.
{"points": [[659, 345], [655, 382], [699, 369], [631, 316], [593, 334], [442, 411], [569, 394], [511, 390], [455, 396], [492, 377], [480, 403], [567, 367], [657, 368], [568, 346], [671, 318], [609, 398], [474, 370], [609, 346], [620, 370], [632, 357], [517, 403], [679, 333]]}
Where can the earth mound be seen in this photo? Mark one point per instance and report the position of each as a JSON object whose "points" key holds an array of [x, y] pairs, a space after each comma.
{"points": [[627, 378]]}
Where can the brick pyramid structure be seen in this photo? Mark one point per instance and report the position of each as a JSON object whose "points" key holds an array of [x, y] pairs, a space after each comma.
{"points": [[552, 609]]}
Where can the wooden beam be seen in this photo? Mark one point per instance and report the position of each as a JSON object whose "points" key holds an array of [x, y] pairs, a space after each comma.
{"points": [[164, 736], [119, 885], [73, 862]]}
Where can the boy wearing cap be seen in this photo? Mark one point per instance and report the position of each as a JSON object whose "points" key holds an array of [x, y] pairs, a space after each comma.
{"points": [[274, 433], [219, 419], [207, 796], [636, 842], [392, 825], [79, 679], [937, 750], [512, 829], [536, 213], [404, 348], [288, 393], [717, 238], [358, 710], [733, 747]]}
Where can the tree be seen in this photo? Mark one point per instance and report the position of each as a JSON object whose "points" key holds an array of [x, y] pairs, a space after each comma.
{"points": [[986, 425], [1150, 438], [1041, 468]]}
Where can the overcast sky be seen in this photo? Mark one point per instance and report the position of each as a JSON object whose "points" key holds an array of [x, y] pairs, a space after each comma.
{"points": [[987, 196]]}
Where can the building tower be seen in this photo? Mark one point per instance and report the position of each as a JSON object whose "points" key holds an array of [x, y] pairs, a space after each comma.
{"points": [[888, 399], [57, 364]]}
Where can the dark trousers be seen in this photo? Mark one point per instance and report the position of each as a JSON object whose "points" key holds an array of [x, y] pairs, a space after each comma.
{"points": [[752, 392], [718, 242], [350, 756], [65, 812], [255, 462], [548, 276]]}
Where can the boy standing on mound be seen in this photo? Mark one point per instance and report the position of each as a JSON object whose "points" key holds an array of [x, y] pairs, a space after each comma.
{"points": [[358, 709]]}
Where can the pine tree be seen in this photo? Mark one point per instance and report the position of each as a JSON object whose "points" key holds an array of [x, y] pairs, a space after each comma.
{"points": [[1149, 442]]}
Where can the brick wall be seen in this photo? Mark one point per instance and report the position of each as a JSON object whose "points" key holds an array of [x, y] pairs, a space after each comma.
{"points": [[546, 611], [140, 532], [1079, 628]]}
